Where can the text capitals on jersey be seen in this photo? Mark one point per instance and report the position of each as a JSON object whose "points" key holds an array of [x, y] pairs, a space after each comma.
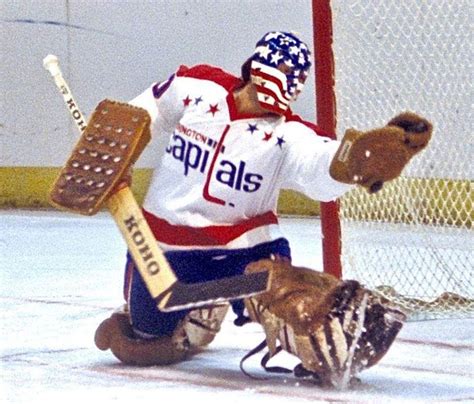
{"points": [[197, 157]]}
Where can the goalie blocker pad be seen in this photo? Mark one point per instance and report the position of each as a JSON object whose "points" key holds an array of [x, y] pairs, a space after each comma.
{"points": [[114, 138]]}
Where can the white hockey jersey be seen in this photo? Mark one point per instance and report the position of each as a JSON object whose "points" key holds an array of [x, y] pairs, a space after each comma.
{"points": [[219, 181]]}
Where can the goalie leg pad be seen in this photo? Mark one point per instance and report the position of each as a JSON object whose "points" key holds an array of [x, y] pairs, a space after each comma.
{"points": [[202, 325], [116, 334], [192, 334], [336, 328]]}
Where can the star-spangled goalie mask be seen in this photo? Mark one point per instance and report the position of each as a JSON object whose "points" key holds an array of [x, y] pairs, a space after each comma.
{"points": [[279, 68]]}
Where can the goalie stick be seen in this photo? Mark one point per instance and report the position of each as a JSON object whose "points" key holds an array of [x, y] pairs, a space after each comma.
{"points": [[162, 283]]}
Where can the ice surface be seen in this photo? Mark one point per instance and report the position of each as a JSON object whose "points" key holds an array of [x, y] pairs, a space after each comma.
{"points": [[61, 275]]}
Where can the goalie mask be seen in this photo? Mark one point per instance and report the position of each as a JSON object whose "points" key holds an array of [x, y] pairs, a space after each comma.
{"points": [[278, 69]]}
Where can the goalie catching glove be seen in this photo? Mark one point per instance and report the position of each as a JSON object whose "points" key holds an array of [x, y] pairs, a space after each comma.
{"points": [[376, 156], [336, 328]]}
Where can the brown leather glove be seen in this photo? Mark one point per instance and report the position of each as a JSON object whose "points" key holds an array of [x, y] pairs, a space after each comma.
{"points": [[99, 164], [336, 328], [371, 158]]}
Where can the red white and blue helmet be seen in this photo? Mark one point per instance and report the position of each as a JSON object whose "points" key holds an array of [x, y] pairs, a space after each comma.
{"points": [[275, 88]]}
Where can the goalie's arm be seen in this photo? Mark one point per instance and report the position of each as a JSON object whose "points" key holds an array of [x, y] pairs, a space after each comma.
{"points": [[306, 161], [109, 144]]}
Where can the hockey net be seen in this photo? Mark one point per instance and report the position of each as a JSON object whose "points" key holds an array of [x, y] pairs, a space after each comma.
{"points": [[413, 241]]}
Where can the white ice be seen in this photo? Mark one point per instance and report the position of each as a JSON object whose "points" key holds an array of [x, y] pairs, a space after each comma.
{"points": [[61, 275]]}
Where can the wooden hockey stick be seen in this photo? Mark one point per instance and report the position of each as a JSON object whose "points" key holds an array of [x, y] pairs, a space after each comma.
{"points": [[161, 281]]}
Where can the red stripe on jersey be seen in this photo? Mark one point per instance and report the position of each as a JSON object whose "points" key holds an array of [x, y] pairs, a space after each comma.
{"points": [[204, 236], [211, 73], [291, 117], [205, 192]]}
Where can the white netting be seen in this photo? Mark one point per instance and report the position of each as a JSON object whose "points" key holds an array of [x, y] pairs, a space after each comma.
{"points": [[416, 55]]}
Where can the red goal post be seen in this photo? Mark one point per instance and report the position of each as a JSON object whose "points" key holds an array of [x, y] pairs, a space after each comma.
{"points": [[413, 241]]}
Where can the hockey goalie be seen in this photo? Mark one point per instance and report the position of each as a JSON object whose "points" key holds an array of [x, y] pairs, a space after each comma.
{"points": [[232, 144]]}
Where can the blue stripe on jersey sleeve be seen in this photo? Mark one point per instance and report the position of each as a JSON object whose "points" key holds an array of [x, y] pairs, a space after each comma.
{"points": [[160, 88]]}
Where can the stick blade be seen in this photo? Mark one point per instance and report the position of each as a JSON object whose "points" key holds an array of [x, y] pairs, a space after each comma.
{"points": [[192, 295]]}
